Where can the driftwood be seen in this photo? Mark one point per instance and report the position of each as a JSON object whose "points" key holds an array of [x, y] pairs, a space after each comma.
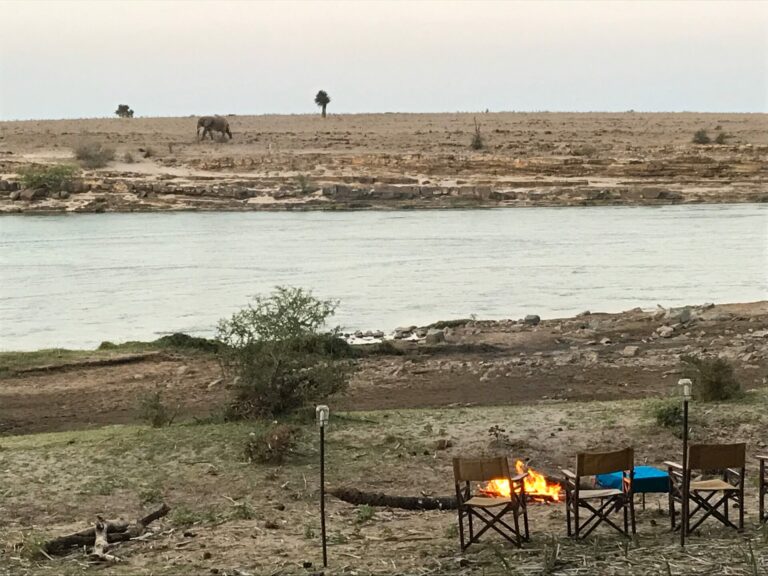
{"points": [[354, 496], [101, 544], [112, 531]]}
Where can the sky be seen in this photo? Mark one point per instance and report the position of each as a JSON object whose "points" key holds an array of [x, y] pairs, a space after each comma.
{"points": [[66, 59]]}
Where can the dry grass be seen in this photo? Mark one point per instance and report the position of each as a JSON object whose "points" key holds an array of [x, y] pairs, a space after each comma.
{"points": [[264, 519]]}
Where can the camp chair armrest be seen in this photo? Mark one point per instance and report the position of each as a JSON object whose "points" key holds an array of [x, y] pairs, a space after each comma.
{"points": [[732, 475], [673, 465], [762, 457], [570, 477], [519, 477]]}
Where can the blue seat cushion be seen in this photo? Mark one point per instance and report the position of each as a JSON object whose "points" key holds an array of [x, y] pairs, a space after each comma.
{"points": [[647, 479]]}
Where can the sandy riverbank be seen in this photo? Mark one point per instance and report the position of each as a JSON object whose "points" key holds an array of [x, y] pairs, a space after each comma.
{"points": [[392, 161]]}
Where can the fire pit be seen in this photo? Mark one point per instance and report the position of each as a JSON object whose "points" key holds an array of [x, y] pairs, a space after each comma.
{"points": [[537, 487]]}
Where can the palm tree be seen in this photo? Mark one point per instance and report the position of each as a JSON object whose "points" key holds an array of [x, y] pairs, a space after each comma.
{"points": [[322, 99]]}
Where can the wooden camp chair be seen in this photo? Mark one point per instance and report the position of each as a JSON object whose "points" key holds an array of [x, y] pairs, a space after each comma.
{"points": [[762, 483], [726, 459], [489, 510], [610, 499]]}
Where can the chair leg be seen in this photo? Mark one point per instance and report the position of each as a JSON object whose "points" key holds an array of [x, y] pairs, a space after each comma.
{"points": [[632, 513], [575, 516], [672, 508], [461, 531], [626, 517], [741, 509], [471, 530]]}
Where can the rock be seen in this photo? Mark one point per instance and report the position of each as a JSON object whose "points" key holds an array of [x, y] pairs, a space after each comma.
{"points": [[181, 370], [421, 332], [434, 336], [630, 351], [585, 313], [605, 341], [665, 331], [378, 334], [532, 319], [30, 194], [707, 306], [63, 194], [15, 195]]}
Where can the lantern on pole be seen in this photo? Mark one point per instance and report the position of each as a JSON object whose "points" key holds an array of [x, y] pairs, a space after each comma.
{"points": [[322, 413], [685, 384]]}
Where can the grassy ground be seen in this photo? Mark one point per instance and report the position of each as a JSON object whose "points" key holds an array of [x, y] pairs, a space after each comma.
{"points": [[230, 514]]}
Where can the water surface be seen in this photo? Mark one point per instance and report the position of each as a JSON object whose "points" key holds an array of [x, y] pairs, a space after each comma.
{"points": [[75, 280]]}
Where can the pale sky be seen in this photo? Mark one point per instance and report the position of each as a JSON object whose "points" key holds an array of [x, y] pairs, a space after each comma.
{"points": [[81, 59]]}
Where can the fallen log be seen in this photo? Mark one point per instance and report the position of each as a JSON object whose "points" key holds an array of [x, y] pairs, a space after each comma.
{"points": [[355, 496], [101, 544], [91, 363], [115, 531]]}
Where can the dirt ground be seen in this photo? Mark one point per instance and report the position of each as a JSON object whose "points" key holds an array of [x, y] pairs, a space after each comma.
{"points": [[72, 447], [480, 363], [377, 161]]}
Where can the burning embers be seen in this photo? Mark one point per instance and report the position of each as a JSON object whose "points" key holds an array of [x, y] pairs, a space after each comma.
{"points": [[537, 487]]}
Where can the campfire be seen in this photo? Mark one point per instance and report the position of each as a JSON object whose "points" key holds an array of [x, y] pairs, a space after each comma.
{"points": [[537, 487]]}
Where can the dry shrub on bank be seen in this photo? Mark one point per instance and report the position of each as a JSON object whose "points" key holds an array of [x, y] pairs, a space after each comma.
{"points": [[713, 378], [53, 178], [94, 154], [272, 445]]}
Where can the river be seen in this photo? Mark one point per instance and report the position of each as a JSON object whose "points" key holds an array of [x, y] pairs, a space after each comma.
{"points": [[75, 280]]}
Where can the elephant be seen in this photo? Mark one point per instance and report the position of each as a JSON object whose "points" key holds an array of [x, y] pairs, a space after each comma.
{"points": [[211, 124]]}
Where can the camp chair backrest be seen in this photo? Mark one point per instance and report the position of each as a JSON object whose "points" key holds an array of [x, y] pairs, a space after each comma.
{"points": [[716, 456], [593, 463], [480, 469]]}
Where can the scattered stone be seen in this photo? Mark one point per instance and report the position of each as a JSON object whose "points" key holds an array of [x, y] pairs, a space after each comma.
{"points": [[630, 351], [421, 332], [30, 194], [532, 319], [585, 313], [207, 555], [181, 370], [665, 331], [434, 336], [378, 334], [15, 195], [605, 341]]}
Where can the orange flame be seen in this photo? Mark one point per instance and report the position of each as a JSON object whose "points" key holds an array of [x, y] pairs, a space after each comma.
{"points": [[536, 485]]}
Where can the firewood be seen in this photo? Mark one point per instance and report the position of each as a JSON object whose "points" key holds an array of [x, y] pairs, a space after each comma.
{"points": [[114, 531], [101, 544], [354, 496]]}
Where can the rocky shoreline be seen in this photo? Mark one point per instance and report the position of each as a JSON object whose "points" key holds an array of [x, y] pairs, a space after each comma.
{"points": [[390, 162]]}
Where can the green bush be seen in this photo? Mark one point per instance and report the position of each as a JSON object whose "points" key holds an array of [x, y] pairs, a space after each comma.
{"points": [[713, 378], [273, 445], [668, 414], [94, 154], [277, 357], [54, 178], [701, 137]]}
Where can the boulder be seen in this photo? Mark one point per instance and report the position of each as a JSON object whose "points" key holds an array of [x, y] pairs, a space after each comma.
{"points": [[630, 351], [605, 341], [15, 195], [532, 319], [434, 336], [665, 331], [30, 194]]}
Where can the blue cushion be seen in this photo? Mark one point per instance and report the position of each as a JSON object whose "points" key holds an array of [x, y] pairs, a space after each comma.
{"points": [[647, 479]]}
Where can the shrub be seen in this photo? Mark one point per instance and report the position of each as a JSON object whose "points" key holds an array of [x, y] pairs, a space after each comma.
{"points": [[668, 414], [154, 412], [701, 137], [128, 158], [713, 378], [274, 353], [477, 138], [56, 177], [271, 446], [721, 138], [94, 154]]}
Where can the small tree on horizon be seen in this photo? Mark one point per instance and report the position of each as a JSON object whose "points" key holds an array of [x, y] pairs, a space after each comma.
{"points": [[124, 111], [322, 99]]}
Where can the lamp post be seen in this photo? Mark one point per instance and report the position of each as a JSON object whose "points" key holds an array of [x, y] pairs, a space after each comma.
{"points": [[685, 383], [322, 413]]}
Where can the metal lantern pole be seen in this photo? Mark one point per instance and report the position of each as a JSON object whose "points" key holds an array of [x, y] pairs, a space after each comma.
{"points": [[322, 413], [686, 384]]}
